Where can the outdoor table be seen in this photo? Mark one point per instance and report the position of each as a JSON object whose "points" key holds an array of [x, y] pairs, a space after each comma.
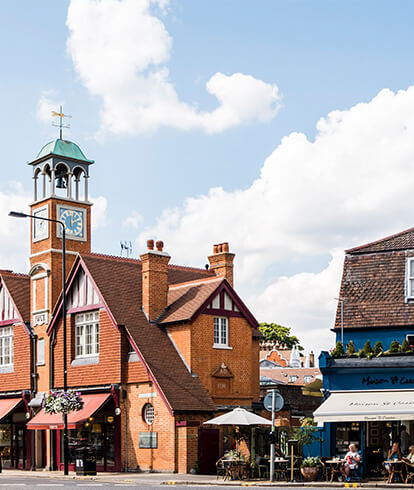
{"points": [[334, 468], [235, 469], [281, 465], [395, 467]]}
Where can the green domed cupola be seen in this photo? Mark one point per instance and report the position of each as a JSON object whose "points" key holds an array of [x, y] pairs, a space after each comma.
{"points": [[60, 164]]}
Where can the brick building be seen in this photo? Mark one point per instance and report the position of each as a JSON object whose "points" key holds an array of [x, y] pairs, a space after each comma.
{"points": [[154, 348]]}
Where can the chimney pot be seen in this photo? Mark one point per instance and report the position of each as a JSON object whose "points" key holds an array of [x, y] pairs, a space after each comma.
{"points": [[225, 247], [150, 244], [215, 249], [220, 248], [159, 245]]}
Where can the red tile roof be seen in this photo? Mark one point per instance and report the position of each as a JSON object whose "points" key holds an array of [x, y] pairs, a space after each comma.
{"points": [[282, 374], [400, 241], [185, 299], [119, 282], [18, 286]]}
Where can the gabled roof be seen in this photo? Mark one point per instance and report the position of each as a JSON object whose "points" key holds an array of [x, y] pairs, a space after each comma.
{"points": [[118, 281], [400, 241], [18, 286], [187, 300]]}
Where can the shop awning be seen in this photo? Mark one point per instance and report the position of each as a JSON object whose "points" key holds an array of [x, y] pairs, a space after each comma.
{"points": [[91, 404], [358, 406], [7, 405]]}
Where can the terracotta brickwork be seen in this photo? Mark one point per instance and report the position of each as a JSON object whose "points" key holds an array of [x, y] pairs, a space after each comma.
{"points": [[19, 378], [195, 342], [162, 458], [221, 262], [107, 370]]}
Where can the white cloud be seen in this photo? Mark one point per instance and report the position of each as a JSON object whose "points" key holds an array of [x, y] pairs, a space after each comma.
{"points": [[47, 103], [99, 208], [351, 185], [120, 49], [134, 220]]}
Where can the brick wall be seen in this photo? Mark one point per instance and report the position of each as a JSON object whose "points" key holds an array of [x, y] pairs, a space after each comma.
{"points": [[161, 459], [19, 379], [107, 371]]}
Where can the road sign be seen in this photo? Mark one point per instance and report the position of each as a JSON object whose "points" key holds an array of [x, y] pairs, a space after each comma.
{"points": [[268, 402]]}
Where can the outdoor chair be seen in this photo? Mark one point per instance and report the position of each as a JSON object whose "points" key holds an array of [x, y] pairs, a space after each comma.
{"points": [[409, 469], [261, 466], [221, 468]]}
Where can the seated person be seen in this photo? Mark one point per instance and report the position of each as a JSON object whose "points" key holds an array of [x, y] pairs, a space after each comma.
{"points": [[351, 461], [393, 453], [278, 451], [410, 456]]}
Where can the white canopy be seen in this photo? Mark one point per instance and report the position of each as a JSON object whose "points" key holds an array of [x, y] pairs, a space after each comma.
{"points": [[357, 406], [239, 416]]}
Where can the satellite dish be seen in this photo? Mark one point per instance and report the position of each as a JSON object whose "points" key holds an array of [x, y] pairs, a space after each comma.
{"points": [[279, 402]]}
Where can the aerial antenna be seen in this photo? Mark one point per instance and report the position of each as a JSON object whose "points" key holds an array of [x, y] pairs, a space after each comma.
{"points": [[127, 247], [60, 125]]}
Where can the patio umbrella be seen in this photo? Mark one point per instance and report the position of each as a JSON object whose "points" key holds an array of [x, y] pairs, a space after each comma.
{"points": [[240, 416]]}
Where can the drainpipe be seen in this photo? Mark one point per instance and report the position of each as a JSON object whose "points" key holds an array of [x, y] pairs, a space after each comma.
{"points": [[33, 386], [124, 397]]}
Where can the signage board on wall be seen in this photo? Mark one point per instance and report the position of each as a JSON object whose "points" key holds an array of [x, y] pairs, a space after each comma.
{"points": [[148, 440]]}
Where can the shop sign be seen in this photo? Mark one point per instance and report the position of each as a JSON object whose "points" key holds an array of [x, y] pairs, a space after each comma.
{"points": [[387, 380], [148, 440]]}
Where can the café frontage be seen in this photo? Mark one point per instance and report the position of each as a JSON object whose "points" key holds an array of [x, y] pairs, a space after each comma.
{"points": [[367, 403]]}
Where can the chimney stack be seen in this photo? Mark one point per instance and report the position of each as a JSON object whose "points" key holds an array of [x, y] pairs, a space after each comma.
{"points": [[154, 279], [221, 262]]}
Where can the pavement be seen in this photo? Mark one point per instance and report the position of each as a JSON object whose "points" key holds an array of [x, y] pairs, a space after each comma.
{"points": [[153, 479]]}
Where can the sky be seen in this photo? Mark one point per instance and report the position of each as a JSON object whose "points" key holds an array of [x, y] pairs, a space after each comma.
{"points": [[283, 127]]}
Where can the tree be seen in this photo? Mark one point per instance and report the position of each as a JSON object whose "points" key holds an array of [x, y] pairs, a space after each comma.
{"points": [[272, 332], [306, 434]]}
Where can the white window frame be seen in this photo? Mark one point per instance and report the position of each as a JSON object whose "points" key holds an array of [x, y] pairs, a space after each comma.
{"points": [[409, 291], [6, 346], [293, 378], [87, 324], [307, 378], [221, 332], [148, 413], [40, 352]]}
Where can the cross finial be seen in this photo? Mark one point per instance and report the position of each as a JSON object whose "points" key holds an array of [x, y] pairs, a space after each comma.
{"points": [[60, 125]]}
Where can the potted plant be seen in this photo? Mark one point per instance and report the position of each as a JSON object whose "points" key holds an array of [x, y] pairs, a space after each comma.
{"points": [[62, 402], [310, 468]]}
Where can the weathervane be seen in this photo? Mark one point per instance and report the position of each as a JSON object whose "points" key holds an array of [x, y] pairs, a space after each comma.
{"points": [[60, 125]]}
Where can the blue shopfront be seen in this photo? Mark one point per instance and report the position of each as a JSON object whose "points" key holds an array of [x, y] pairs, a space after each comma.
{"points": [[367, 402]]}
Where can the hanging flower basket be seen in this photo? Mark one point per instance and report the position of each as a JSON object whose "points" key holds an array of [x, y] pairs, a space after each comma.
{"points": [[62, 402]]}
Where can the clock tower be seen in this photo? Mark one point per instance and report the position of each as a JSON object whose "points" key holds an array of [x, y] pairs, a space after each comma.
{"points": [[60, 177]]}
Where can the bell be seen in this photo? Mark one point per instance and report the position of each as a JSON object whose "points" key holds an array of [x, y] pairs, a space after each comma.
{"points": [[60, 183]]}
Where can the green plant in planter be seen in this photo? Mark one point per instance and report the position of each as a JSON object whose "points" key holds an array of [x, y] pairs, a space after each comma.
{"points": [[395, 346], [351, 351], [405, 346], [367, 350], [378, 349], [311, 462], [339, 350]]}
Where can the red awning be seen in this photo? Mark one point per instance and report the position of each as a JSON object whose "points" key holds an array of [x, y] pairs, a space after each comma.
{"points": [[91, 404], [7, 405]]}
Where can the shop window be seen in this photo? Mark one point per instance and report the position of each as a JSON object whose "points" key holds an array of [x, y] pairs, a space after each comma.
{"points": [[6, 346], [87, 334], [40, 352], [221, 332], [307, 379], [148, 413]]}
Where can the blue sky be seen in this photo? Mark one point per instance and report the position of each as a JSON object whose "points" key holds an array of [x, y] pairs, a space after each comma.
{"points": [[302, 59]]}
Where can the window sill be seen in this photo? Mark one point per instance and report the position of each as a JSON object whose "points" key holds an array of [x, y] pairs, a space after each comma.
{"points": [[218, 346], [85, 361], [40, 363], [6, 369]]}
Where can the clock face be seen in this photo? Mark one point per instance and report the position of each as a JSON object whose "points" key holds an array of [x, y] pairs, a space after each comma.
{"points": [[73, 220], [40, 227]]}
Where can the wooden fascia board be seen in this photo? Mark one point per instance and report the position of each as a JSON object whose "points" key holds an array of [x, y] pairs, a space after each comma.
{"points": [[27, 328]]}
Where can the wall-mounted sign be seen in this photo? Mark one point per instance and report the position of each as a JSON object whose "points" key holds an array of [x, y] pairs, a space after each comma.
{"points": [[148, 440], [387, 380], [147, 395]]}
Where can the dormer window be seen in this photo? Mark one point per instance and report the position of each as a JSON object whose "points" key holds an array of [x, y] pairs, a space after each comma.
{"points": [[221, 332], [410, 278]]}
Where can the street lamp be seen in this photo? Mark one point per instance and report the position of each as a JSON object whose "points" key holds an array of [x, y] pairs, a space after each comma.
{"points": [[15, 214]]}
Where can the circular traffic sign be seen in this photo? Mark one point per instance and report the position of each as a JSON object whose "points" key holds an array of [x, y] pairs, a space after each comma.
{"points": [[279, 402]]}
